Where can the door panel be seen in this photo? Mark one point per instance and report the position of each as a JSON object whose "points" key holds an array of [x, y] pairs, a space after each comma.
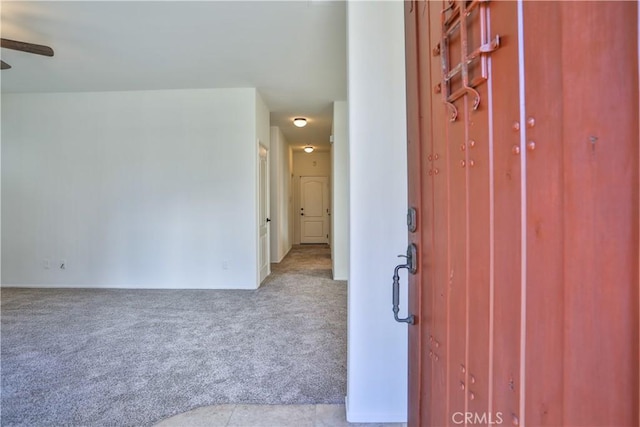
{"points": [[479, 172], [263, 212], [313, 229], [457, 265], [312, 199], [528, 237], [314, 205], [544, 270], [600, 212]]}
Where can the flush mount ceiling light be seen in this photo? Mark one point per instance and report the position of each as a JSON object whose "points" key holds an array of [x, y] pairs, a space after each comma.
{"points": [[308, 149], [300, 122]]}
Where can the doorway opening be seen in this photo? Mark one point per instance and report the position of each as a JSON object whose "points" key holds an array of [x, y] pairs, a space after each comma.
{"points": [[312, 197], [314, 210]]}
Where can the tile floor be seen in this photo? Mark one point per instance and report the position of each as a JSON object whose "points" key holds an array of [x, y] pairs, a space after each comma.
{"points": [[266, 416]]}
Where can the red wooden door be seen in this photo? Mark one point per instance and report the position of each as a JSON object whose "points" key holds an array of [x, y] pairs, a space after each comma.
{"points": [[523, 170]]}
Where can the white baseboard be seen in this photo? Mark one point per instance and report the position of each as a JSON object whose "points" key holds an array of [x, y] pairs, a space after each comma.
{"points": [[116, 286], [282, 257], [373, 417]]}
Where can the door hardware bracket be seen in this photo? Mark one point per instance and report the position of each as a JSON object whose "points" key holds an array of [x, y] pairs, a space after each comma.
{"points": [[412, 266], [412, 220], [491, 46], [460, 77]]}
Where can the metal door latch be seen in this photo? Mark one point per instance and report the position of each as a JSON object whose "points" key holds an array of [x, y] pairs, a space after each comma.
{"points": [[412, 220], [412, 266]]}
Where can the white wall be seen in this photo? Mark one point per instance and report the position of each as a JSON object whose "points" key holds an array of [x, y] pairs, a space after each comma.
{"points": [[340, 192], [150, 189], [262, 122], [281, 197], [377, 345], [317, 163]]}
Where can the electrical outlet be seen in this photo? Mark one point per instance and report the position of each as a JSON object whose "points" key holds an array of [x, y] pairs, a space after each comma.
{"points": [[46, 263], [225, 265], [63, 264]]}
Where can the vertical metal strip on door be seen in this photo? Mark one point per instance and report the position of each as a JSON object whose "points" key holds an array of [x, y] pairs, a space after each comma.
{"points": [[505, 307]]}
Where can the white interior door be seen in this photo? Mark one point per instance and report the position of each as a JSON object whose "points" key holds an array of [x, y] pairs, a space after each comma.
{"points": [[263, 213], [314, 209]]}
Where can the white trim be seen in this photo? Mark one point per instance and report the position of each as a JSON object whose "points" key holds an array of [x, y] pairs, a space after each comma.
{"points": [[491, 233], [282, 257], [262, 146], [523, 216], [638, 58], [117, 286], [374, 417]]}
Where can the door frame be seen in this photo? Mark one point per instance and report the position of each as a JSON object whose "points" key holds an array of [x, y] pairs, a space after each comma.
{"points": [[264, 269], [327, 205]]}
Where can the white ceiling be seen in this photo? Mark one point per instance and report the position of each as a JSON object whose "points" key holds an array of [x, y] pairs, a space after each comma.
{"points": [[294, 52]]}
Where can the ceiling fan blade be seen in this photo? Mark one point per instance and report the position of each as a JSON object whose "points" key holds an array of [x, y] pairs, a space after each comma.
{"points": [[4, 65], [38, 49]]}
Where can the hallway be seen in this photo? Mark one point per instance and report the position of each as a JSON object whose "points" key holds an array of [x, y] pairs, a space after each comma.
{"points": [[306, 260]]}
